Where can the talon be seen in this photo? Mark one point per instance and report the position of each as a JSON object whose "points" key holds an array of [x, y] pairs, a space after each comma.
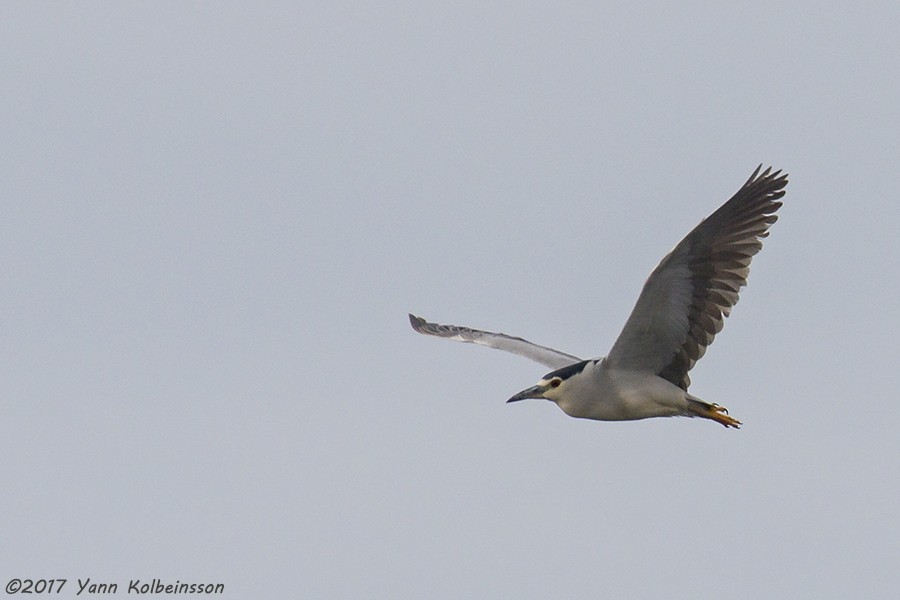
{"points": [[719, 414]]}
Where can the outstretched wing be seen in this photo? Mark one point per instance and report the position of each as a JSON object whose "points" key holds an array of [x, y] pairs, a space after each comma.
{"points": [[687, 297], [541, 354]]}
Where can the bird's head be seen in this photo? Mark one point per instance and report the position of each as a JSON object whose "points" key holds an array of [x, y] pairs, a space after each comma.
{"points": [[554, 386]]}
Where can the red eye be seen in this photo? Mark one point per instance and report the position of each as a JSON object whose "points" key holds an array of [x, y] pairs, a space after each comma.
{"points": [[555, 383]]}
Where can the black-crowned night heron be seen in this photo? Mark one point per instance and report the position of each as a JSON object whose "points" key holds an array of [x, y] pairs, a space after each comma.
{"points": [[680, 310]]}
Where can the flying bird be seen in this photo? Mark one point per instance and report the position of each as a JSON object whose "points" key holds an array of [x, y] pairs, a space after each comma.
{"points": [[680, 310]]}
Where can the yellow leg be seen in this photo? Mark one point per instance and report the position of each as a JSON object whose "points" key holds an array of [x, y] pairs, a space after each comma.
{"points": [[719, 414]]}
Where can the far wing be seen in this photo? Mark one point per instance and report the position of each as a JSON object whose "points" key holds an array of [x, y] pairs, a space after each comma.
{"points": [[541, 354], [687, 297]]}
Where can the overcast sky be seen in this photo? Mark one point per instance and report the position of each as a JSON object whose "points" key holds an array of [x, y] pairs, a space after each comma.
{"points": [[216, 216]]}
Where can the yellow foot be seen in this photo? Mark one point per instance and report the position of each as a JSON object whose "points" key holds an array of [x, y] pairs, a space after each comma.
{"points": [[719, 414]]}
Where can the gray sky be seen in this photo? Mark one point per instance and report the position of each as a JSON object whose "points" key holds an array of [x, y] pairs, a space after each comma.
{"points": [[216, 217]]}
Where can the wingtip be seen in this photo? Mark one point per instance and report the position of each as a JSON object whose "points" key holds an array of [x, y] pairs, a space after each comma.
{"points": [[416, 322], [769, 173]]}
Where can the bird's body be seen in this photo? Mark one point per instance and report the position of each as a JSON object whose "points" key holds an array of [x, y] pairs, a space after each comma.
{"points": [[605, 394], [600, 392], [680, 310]]}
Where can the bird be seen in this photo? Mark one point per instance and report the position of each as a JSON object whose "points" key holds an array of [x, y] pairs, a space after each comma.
{"points": [[681, 308]]}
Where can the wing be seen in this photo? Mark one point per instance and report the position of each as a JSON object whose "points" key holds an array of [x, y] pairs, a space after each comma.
{"points": [[541, 354], [687, 297]]}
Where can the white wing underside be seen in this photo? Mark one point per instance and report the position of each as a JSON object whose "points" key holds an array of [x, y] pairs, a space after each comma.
{"points": [[500, 341]]}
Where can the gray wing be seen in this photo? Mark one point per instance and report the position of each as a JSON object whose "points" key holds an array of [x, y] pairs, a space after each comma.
{"points": [[687, 297], [541, 354]]}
